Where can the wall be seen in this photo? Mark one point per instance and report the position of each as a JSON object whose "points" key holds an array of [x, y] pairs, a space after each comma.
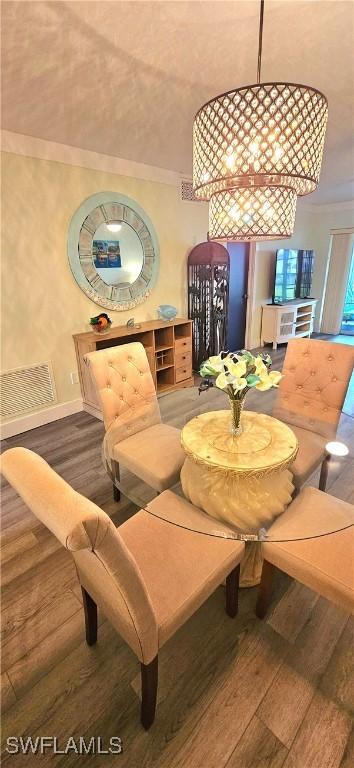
{"points": [[327, 218], [42, 305], [312, 231]]}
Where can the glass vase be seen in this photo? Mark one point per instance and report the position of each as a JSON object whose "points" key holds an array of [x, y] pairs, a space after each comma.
{"points": [[236, 411]]}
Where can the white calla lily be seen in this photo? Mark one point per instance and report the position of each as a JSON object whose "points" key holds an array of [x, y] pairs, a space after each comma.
{"points": [[264, 384], [238, 384], [222, 381], [275, 377], [237, 369], [216, 362], [261, 368]]}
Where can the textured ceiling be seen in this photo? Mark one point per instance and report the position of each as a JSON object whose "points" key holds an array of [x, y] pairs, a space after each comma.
{"points": [[125, 78]]}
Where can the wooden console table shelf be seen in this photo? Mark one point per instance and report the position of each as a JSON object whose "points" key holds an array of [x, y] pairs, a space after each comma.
{"points": [[168, 346]]}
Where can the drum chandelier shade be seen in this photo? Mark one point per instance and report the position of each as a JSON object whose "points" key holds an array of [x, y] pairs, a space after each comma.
{"points": [[258, 146], [252, 214], [262, 135]]}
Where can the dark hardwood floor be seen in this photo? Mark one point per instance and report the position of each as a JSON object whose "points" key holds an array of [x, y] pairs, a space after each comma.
{"points": [[240, 693]]}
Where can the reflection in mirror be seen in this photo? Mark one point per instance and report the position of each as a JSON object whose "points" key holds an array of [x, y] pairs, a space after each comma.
{"points": [[117, 255]]}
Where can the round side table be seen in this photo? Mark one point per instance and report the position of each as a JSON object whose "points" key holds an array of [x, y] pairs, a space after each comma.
{"points": [[241, 480]]}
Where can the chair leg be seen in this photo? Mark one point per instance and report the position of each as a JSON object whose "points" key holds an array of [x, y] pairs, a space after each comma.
{"points": [[232, 582], [149, 680], [90, 611], [116, 491], [265, 589], [324, 474]]}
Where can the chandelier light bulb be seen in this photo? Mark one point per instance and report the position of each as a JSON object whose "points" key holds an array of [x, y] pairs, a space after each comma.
{"points": [[235, 212], [230, 161], [278, 153], [254, 148]]}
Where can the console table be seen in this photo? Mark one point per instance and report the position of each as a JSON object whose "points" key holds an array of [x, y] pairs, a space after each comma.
{"points": [[282, 322], [168, 346]]}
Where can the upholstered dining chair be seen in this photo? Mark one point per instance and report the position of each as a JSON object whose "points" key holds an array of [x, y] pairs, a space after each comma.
{"points": [[135, 436], [148, 576], [310, 399], [324, 563]]}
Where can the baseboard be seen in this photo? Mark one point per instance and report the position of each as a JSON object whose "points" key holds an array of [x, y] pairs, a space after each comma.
{"points": [[33, 420], [92, 411]]}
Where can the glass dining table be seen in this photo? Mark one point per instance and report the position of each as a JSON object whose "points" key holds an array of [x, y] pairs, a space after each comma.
{"points": [[238, 486]]}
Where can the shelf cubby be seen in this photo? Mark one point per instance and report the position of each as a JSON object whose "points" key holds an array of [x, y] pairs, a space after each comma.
{"points": [[165, 378], [104, 341], [164, 358], [303, 328], [183, 331], [164, 337]]}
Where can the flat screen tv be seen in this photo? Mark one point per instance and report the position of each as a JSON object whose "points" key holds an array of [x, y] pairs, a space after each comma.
{"points": [[293, 275]]}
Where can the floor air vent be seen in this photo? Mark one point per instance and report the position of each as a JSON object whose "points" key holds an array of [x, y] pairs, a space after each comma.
{"points": [[24, 389]]}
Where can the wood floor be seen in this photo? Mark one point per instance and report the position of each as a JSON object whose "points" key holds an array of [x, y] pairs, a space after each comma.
{"points": [[240, 693]]}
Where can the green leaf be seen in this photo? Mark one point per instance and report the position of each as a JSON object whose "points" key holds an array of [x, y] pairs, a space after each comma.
{"points": [[246, 356], [252, 380], [207, 370]]}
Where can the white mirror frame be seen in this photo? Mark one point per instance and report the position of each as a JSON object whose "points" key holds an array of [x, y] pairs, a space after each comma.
{"points": [[82, 228]]}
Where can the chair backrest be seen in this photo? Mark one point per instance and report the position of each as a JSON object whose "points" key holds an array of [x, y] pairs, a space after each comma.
{"points": [[125, 388], [105, 566], [316, 378]]}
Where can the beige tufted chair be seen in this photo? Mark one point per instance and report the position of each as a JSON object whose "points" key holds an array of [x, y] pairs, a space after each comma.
{"points": [[135, 436], [324, 563], [310, 399], [148, 576]]}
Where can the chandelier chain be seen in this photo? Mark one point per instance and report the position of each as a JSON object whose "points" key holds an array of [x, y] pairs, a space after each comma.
{"points": [[260, 41]]}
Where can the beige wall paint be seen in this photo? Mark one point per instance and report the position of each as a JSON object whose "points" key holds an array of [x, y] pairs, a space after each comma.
{"points": [[312, 231], [42, 306], [321, 225]]}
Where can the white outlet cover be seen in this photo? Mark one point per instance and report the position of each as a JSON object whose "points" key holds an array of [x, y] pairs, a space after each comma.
{"points": [[74, 376]]}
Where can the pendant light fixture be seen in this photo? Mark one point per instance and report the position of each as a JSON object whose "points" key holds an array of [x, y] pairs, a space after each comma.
{"points": [[114, 226], [255, 149]]}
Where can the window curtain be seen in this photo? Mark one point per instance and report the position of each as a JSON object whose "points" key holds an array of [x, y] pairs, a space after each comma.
{"points": [[337, 281]]}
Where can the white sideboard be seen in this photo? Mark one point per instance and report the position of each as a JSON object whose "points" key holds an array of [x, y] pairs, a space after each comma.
{"points": [[281, 322]]}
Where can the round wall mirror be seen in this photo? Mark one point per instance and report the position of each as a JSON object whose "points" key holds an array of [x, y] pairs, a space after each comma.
{"points": [[113, 251]]}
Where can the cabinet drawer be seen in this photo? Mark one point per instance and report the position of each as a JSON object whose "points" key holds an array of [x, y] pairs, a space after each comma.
{"points": [[184, 372], [183, 345], [183, 359]]}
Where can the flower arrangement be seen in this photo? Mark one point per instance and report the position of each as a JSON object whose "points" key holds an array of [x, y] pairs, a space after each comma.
{"points": [[236, 373]]}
